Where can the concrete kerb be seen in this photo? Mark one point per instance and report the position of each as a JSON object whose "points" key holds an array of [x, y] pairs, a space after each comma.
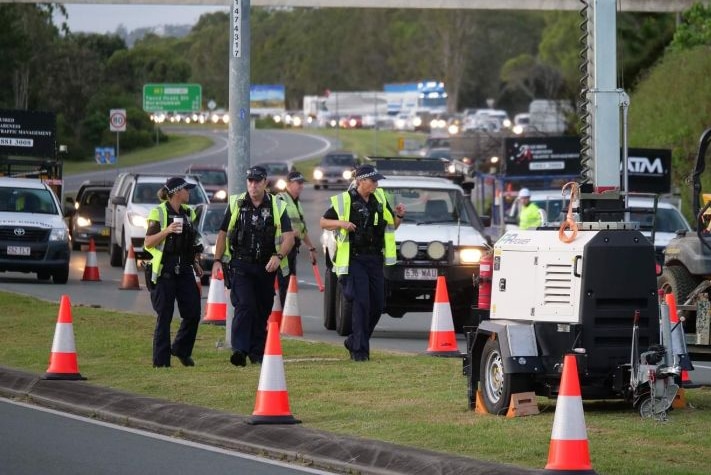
{"points": [[296, 444]]}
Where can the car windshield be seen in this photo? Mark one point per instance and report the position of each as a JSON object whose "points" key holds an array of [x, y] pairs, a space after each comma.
{"points": [[668, 220], [276, 168], [428, 206], [94, 201], [27, 200], [147, 193], [212, 177], [212, 220], [339, 161]]}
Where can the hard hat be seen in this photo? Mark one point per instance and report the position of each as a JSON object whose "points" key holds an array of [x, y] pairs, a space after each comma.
{"points": [[524, 193]]}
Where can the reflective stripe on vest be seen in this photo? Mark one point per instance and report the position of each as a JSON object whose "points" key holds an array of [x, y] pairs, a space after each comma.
{"points": [[278, 208], [342, 205], [295, 212], [159, 214]]}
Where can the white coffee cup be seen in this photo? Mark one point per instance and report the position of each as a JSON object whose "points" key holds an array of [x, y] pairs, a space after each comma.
{"points": [[178, 219]]}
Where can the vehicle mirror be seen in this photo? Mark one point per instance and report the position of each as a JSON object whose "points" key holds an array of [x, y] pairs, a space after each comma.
{"points": [[119, 200], [69, 210], [69, 199], [468, 187]]}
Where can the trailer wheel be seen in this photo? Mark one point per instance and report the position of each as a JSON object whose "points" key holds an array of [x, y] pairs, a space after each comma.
{"points": [[344, 312], [498, 386], [678, 281], [329, 299]]}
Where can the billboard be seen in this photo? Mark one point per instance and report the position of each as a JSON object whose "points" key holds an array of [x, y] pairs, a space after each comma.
{"points": [[267, 99], [28, 133]]}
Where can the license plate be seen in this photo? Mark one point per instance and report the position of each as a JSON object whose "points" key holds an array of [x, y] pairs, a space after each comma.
{"points": [[18, 251], [420, 274], [105, 232]]}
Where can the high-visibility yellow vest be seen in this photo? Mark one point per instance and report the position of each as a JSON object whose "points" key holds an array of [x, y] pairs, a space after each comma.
{"points": [[342, 204], [160, 215], [295, 212], [529, 217], [278, 208]]}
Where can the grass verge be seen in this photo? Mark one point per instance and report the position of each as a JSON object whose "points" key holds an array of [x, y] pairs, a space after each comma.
{"points": [[414, 400]]}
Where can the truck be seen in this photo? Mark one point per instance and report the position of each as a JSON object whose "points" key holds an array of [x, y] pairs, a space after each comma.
{"points": [[34, 237], [587, 288]]}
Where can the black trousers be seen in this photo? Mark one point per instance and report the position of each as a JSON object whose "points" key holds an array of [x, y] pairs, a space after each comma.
{"points": [[252, 295], [365, 286], [168, 289]]}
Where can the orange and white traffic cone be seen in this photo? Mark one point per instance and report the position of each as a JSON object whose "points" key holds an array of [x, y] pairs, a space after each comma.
{"points": [[443, 341], [291, 318], [569, 451], [216, 307], [63, 359], [91, 269], [272, 403], [130, 272], [277, 313]]}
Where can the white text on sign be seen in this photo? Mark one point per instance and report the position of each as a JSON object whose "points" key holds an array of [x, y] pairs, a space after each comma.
{"points": [[12, 142]]}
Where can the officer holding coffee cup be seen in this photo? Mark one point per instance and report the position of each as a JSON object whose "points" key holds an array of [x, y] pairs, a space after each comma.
{"points": [[172, 241]]}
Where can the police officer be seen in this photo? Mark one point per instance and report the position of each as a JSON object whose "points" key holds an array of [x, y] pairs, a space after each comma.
{"points": [[254, 238], [294, 187], [172, 241], [365, 227]]}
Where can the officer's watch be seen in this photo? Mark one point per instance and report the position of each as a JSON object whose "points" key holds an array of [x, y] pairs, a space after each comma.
{"points": [[279, 255]]}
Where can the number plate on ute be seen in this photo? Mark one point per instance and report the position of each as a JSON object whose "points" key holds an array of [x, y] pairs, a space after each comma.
{"points": [[420, 274], [18, 251], [105, 232]]}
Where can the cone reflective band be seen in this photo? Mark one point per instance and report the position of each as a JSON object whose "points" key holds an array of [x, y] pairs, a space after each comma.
{"points": [[216, 306], [272, 402], [291, 317], [91, 269], [569, 449], [443, 341], [277, 313], [130, 273], [63, 358], [317, 276]]}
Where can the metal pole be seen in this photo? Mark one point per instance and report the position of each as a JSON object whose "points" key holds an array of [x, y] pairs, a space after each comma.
{"points": [[117, 149], [238, 156]]}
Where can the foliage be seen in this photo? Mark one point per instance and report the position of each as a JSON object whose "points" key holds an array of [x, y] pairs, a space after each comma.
{"points": [[695, 28]]}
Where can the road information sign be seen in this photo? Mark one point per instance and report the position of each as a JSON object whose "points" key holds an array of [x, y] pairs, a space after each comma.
{"points": [[172, 97], [117, 120], [27, 133]]}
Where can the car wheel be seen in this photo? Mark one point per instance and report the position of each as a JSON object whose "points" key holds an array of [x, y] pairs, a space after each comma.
{"points": [[329, 299], [344, 312], [43, 275], [75, 245], [496, 385], [317, 187], [115, 252], [61, 276], [124, 251], [678, 281]]}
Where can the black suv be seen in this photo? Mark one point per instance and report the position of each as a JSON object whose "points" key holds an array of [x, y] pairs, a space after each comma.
{"points": [[88, 217]]}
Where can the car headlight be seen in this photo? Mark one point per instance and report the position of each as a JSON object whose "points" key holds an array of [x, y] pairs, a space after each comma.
{"points": [[470, 255], [137, 220], [453, 129], [82, 221], [220, 195], [451, 168], [318, 174], [436, 250], [417, 121], [59, 234], [281, 184], [347, 174], [408, 249]]}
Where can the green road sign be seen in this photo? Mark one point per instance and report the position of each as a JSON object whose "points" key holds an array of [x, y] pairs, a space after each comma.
{"points": [[172, 97]]}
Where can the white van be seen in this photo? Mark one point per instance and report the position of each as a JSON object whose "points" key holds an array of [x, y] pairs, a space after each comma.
{"points": [[33, 234]]}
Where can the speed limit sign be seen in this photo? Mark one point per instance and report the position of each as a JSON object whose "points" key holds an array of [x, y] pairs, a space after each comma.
{"points": [[117, 120]]}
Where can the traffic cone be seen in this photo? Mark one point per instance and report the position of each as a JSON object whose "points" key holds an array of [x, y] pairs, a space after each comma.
{"points": [[216, 307], [569, 451], [443, 341], [130, 272], [63, 359], [291, 318], [272, 403], [679, 343], [276, 314], [91, 269]]}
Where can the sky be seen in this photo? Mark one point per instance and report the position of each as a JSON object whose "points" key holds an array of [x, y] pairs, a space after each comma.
{"points": [[106, 18]]}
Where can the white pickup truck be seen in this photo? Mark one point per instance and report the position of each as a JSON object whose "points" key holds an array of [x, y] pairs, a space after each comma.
{"points": [[132, 197]]}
